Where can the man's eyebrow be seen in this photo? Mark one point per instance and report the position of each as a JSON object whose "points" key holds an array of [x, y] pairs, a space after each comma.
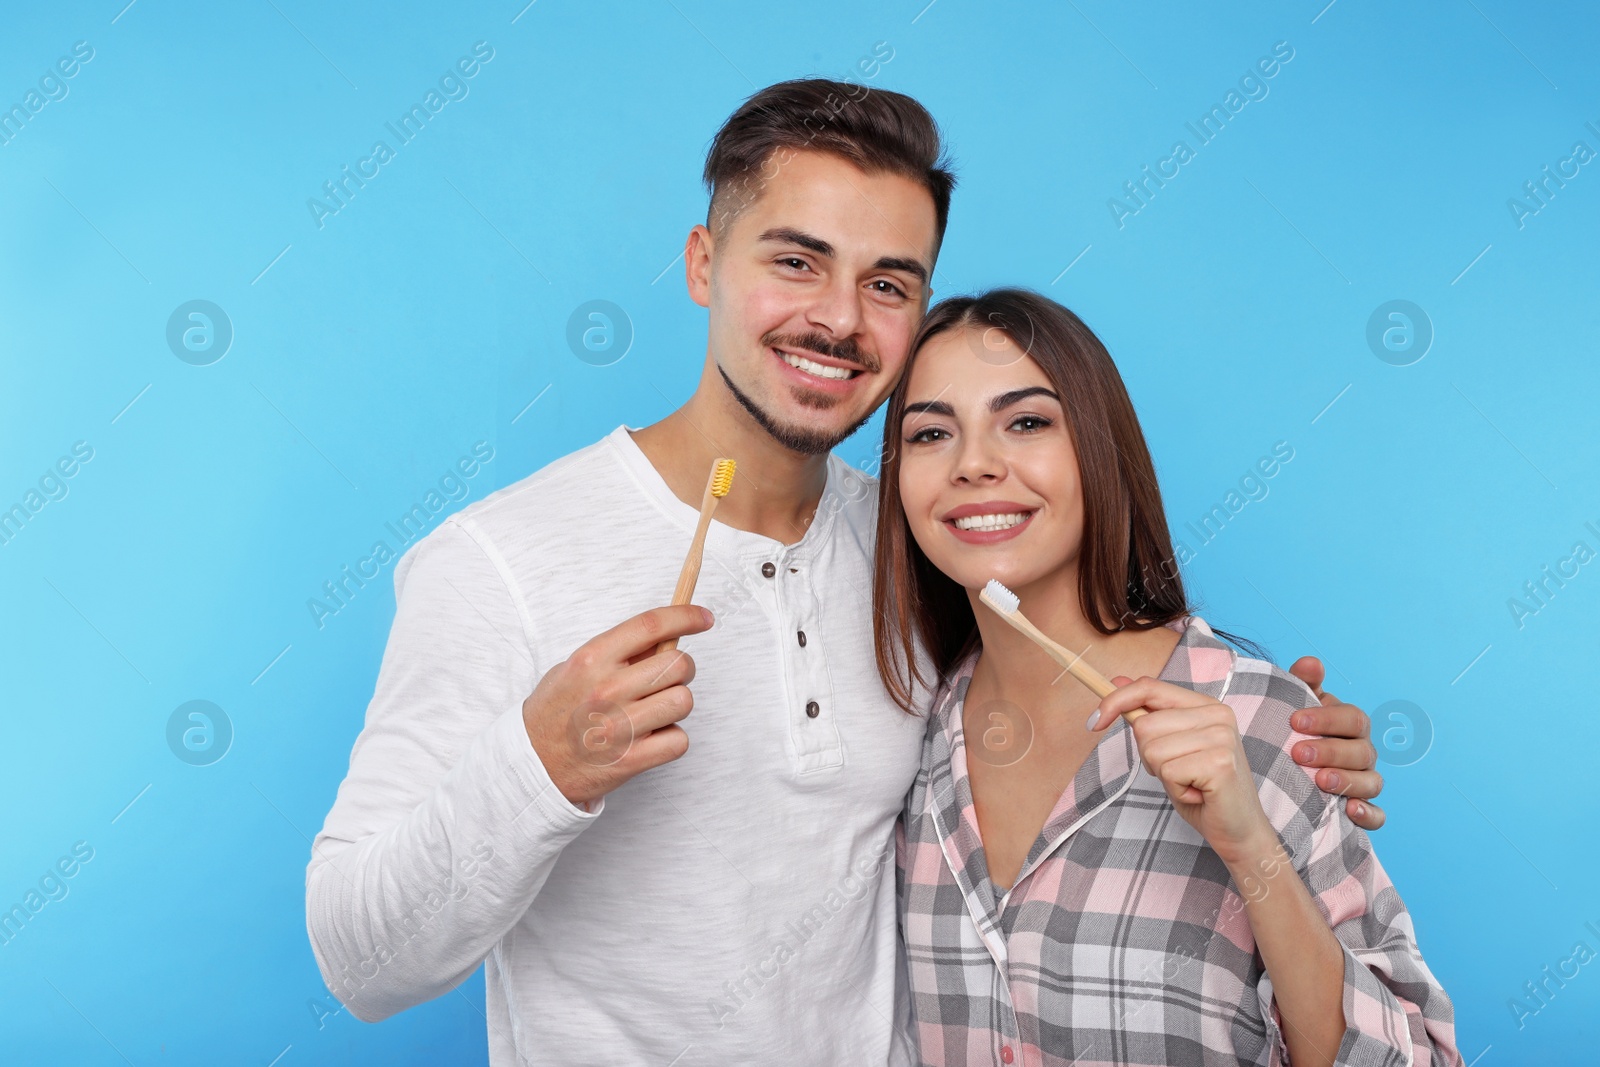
{"points": [[909, 266], [1004, 400], [789, 235]]}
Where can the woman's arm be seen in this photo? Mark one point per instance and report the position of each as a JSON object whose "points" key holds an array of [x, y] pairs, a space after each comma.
{"points": [[1302, 957], [1331, 909], [1191, 743]]}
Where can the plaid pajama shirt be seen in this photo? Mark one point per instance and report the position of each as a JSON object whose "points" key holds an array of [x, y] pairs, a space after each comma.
{"points": [[1124, 940]]}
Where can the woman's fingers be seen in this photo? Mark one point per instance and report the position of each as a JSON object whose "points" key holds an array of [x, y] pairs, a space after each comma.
{"points": [[1189, 777], [1156, 750], [1152, 694]]}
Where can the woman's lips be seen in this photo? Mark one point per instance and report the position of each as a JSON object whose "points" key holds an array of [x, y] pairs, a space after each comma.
{"points": [[989, 537]]}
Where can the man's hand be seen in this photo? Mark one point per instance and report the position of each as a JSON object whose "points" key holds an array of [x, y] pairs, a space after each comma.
{"points": [[611, 709], [1341, 748]]}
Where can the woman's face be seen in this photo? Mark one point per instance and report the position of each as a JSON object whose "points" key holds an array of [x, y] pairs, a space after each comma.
{"points": [[988, 472]]}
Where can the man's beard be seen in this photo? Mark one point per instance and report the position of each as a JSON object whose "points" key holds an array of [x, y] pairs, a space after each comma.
{"points": [[801, 439]]}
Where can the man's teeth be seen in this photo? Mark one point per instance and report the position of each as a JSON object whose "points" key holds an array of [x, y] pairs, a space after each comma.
{"points": [[992, 522], [821, 370]]}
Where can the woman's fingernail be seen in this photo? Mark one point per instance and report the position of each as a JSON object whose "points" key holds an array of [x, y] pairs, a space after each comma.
{"points": [[1094, 718]]}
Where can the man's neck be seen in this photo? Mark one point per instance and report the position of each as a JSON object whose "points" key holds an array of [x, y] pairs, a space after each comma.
{"points": [[775, 489]]}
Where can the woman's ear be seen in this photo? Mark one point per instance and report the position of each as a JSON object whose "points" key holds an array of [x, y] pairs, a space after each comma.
{"points": [[697, 253]]}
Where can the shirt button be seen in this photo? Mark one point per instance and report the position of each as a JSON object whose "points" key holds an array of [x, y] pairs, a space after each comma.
{"points": [[1005, 1053], [812, 711], [768, 570], [802, 636]]}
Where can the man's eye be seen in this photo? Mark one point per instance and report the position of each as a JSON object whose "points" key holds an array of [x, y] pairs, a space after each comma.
{"points": [[885, 286], [795, 263]]}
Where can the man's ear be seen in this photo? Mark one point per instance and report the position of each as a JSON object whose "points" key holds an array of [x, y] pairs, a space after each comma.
{"points": [[697, 253]]}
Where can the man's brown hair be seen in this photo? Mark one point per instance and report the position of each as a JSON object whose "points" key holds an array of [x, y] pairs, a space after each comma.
{"points": [[877, 130]]}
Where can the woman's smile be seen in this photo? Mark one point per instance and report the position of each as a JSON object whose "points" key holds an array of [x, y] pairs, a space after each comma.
{"points": [[988, 522]]}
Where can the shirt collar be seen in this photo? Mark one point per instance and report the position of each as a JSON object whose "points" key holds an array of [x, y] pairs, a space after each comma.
{"points": [[720, 536], [1200, 661]]}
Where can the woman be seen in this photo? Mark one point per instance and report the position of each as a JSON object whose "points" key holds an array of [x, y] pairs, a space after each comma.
{"points": [[1174, 892]]}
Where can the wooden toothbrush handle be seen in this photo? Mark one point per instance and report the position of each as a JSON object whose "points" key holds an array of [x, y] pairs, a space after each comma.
{"points": [[1072, 662], [691, 565]]}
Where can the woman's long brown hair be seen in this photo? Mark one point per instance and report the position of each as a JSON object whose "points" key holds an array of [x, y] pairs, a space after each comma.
{"points": [[1127, 575]]}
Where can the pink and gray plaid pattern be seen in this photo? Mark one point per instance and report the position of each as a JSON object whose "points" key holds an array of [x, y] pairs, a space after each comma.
{"points": [[1125, 941]]}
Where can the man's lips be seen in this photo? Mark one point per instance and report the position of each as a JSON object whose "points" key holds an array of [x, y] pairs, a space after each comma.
{"points": [[813, 379]]}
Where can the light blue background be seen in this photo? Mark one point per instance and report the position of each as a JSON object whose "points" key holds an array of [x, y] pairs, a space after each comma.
{"points": [[430, 311]]}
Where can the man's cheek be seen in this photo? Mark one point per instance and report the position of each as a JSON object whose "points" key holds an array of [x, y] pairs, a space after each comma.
{"points": [[893, 342]]}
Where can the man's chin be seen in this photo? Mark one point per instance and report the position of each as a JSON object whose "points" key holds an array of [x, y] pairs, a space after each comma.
{"points": [[807, 437], [817, 435]]}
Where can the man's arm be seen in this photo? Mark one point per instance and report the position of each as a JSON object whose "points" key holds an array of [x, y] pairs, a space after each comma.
{"points": [[1342, 749], [448, 822]]}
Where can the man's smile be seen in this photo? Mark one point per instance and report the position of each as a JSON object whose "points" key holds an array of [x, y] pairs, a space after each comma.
{"points": [[818, 371]]}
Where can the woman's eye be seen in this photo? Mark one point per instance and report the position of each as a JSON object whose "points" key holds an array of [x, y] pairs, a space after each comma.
{"points": [[1029, 423], [927, 435]]}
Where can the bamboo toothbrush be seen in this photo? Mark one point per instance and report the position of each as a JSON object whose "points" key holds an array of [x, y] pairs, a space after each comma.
{"points": [[1006, 604], [716, 488]]}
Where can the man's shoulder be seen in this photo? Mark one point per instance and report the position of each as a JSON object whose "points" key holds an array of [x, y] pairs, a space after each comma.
{"points": [[560, 488], [856, 494], [551, 496]]}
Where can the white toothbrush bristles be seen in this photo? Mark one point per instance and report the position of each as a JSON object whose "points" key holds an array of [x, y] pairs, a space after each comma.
{"points": [[998, 597]]}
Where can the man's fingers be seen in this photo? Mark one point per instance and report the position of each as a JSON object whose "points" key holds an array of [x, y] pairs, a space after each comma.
{"points": [[1361, 785], [1365, 815], [645, 630], [660, 746], [1349, 756], [650, 674], [1309, 670], [660, 710], [1332, 720]]}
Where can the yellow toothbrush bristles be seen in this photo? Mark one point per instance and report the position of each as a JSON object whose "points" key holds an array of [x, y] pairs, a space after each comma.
{"points": [[722, 477]]}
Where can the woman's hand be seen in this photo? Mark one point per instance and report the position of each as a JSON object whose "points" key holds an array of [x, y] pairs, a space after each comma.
{"points": [[1191, 744]]}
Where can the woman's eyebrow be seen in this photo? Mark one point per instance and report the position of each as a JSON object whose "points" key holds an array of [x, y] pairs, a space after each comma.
{"points": [[932, 407], [1002, 401]]}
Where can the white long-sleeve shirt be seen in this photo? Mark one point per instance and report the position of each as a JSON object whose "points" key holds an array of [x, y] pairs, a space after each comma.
{"points": [[734, 906]]}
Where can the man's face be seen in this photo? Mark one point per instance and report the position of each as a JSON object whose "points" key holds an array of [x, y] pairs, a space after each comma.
{"points": [[815, 290]]}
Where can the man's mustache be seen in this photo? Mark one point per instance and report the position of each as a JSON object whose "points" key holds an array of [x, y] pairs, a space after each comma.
{"points": [[846, 350]]}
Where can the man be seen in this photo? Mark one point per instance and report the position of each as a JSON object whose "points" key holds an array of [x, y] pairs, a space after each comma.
{"points": [[636, 898]]}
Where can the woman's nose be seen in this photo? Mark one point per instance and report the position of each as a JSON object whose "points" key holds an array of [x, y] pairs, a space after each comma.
{"points": [[978, 461]]}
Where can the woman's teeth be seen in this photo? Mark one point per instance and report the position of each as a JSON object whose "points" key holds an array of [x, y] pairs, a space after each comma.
{"points": [[821, 370], [991, 522]]}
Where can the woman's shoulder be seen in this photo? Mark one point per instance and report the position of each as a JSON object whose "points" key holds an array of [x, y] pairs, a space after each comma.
{"points": [[1263, 697]]}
